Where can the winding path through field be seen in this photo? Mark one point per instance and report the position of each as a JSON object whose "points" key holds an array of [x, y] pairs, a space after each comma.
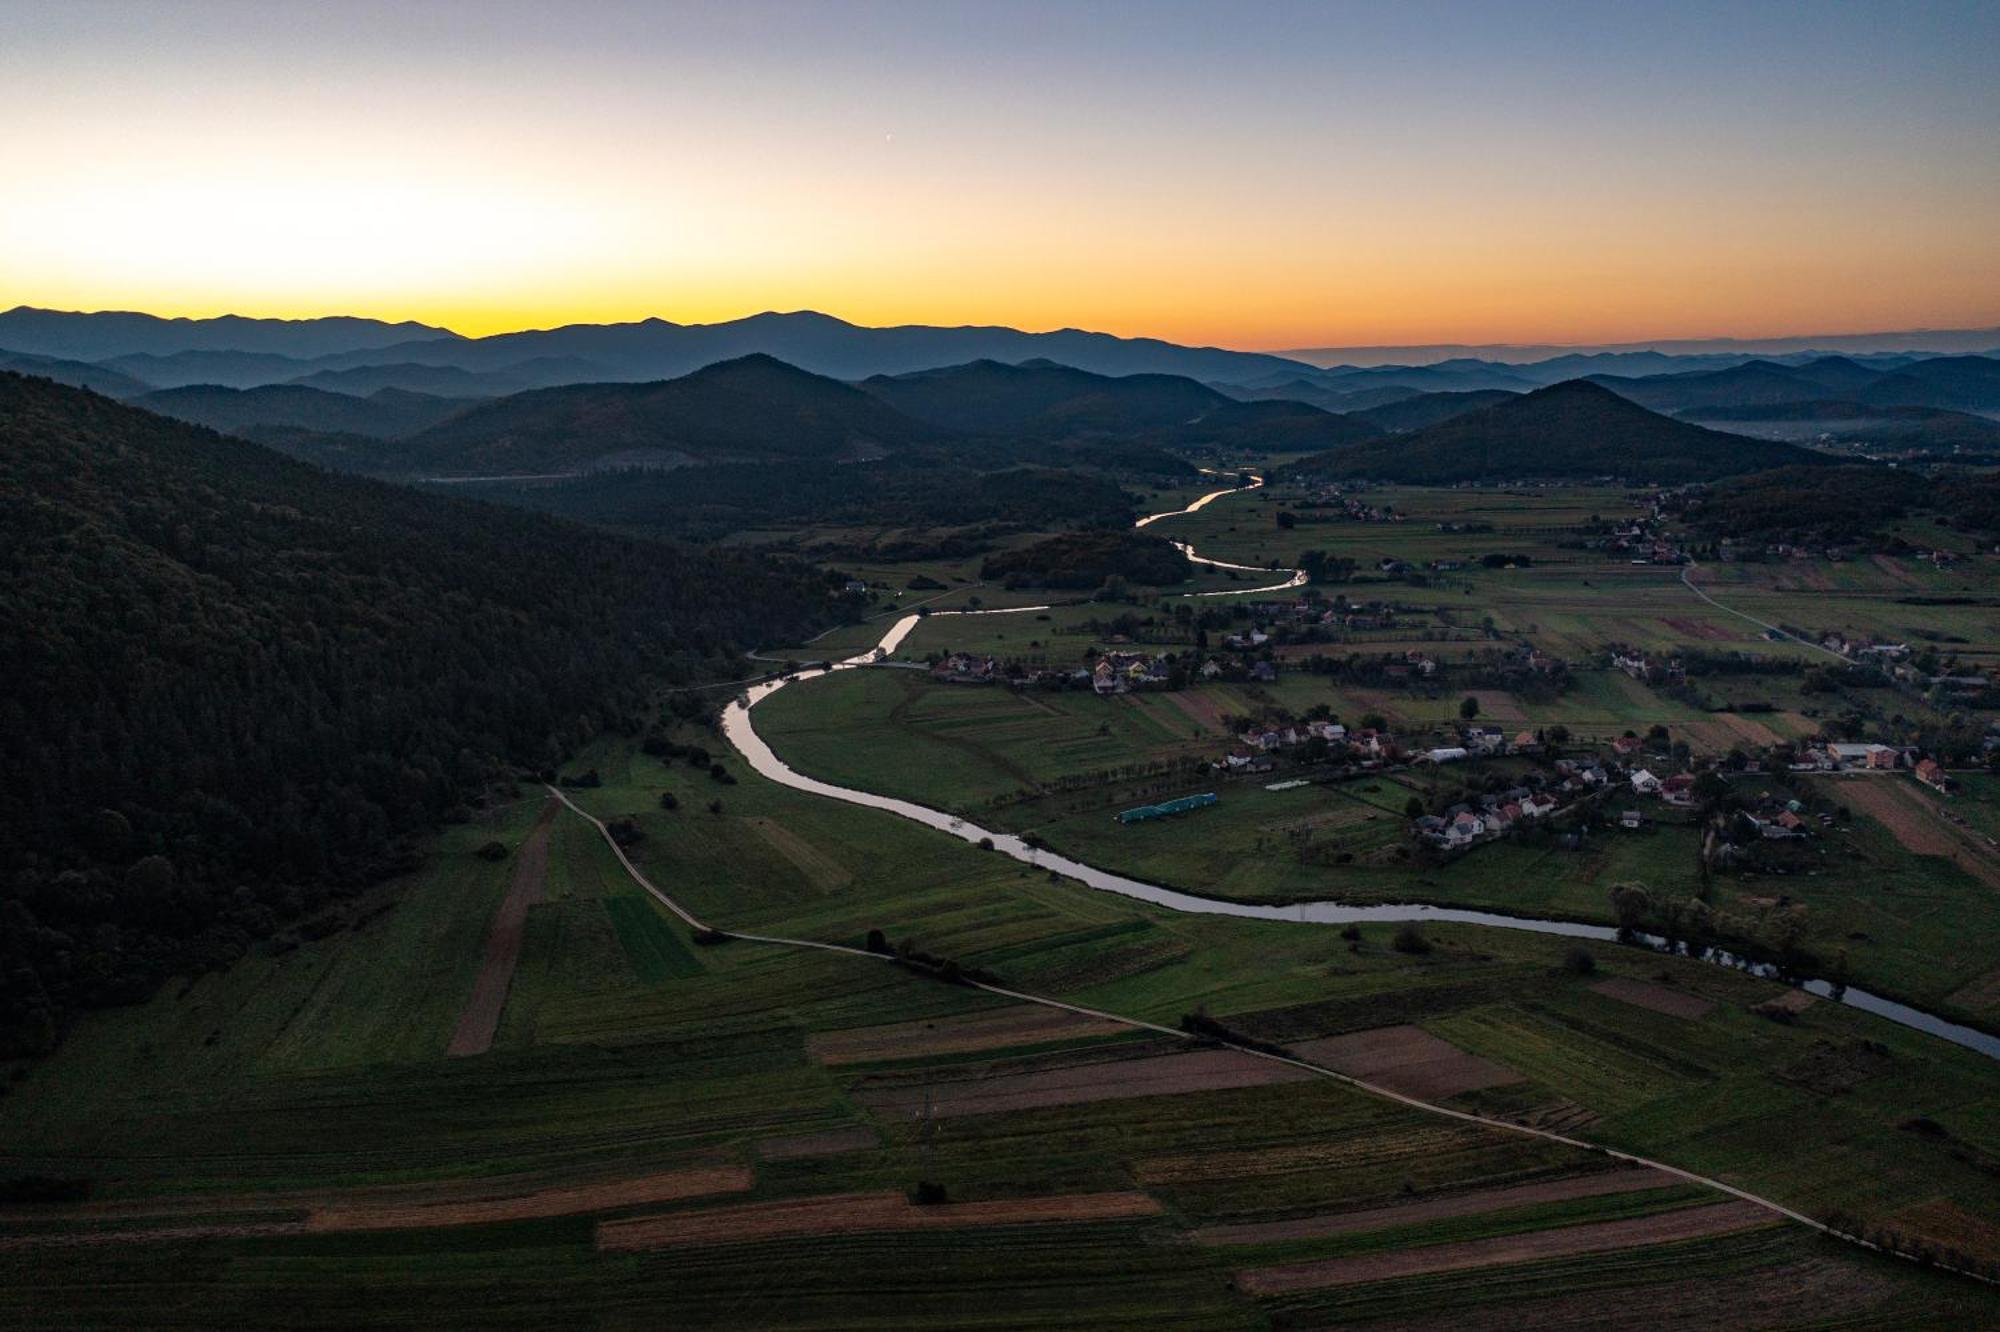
{"points": [[1687, 581]]}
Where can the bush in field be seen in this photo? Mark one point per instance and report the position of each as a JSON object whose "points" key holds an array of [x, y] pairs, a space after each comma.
{"points": [[1580, 962], [668, 800], [492, 851], [1410, 938]]}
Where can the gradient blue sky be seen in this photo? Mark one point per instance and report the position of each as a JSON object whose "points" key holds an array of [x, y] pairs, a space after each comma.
{"points": [[1255, 175]]}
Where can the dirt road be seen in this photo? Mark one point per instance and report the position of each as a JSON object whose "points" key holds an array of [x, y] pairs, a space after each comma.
{"points": [[481, 1017]]}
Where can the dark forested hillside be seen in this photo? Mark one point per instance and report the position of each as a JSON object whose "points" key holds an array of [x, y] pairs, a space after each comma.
{"points": [[736, 411], [1041, 401], [708, 503], [1086, 559], [387, 413], [1810, 504], [1839, 505], [1429, 409], [236, 684], [1572, 429]]}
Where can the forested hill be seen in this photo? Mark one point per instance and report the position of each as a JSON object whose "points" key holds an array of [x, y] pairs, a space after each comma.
{"points": [[235, 684], [752, 408], [1572, 429], [1040, 400]]}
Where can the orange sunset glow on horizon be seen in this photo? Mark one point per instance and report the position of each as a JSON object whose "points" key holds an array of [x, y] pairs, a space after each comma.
{"points": [[1337, 177]]}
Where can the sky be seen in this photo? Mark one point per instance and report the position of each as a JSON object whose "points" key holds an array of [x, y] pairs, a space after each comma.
{"points": [[1257, 175]]}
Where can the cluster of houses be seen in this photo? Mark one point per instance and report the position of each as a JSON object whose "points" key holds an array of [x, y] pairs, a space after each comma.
{"points": [[1642, 547], [1257, 748], [1340, 614], [1484, 742], [1847, 758], [1870, 757], [1346, 506], [1113, 673], [1872, 651], [1540, 796], [1485, 818], [1645, 669], [1773, 821]]}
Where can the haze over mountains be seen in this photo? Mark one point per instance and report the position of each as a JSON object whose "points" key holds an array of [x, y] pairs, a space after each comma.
{"points": [[360, 355], [1935, 340], [408, 399]]}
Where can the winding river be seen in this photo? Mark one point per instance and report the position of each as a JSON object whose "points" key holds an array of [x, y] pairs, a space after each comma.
{"points": [[737, 727]]}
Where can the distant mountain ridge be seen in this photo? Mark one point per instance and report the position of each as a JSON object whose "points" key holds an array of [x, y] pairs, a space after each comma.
{"points": [[1931, 340], [99, 335], [386, 414], [371, 355]]}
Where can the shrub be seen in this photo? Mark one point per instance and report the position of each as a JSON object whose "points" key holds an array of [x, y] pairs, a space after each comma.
{"points": [[668, 800], [1410, 939], [1580, 962], [492, 851]]}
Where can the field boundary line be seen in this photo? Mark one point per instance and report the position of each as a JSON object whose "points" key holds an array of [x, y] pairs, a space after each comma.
{"points": [[1687, 581], [1383, 1093]]}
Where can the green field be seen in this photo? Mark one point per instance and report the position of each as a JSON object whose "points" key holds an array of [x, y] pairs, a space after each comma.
{"points": [[316, 1078]]}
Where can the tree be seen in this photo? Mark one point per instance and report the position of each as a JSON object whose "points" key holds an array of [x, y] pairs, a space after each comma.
{"points": [[1413, 807], [1632, 903], [1287, 519], [1409, 938], [1468, 707]]}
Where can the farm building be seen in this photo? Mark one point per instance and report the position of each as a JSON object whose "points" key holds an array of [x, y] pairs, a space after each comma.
{"points": [[1167, 807]]}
